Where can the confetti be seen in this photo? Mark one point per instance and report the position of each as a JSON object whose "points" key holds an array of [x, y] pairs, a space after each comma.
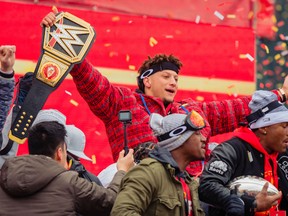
{"points": [[197, 20], [266, 62], [275, 29], [132, 67], [107, 45], [115, 18], [200, 98], [277, 57], [219, 15], [249, 57], [250, 15], [127, 58], [98, 133], [281, 23], [231, 16], [236, 44], [169, 36], [67, 92], [284, 53], [74, 102], [93, 157], [152, 41], [113, 53]]}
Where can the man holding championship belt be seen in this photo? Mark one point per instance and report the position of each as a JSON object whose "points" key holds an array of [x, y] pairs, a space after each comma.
{"points": [[63, 44]]}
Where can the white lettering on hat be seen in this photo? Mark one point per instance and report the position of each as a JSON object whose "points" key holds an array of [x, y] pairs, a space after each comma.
{"points": [[177, 132]]}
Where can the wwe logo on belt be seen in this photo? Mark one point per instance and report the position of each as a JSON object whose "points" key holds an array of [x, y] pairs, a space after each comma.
{"points": [[66, 36], [69, 38]]}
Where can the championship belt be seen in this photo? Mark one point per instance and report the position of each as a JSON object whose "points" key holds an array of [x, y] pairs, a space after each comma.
{"points": [[64, 44]]}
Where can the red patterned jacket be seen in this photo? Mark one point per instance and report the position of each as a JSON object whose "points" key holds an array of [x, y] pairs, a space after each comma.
{"points": [[106, 100]]}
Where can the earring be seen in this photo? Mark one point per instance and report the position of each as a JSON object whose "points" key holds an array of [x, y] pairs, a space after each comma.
{"points": [[265, 132]]}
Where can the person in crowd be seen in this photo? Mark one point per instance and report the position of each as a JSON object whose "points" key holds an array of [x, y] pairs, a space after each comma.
{"points": [[158, 85], [252, 151], [8, 148], [40, 184], [159, 184], [7, 82], [75, 140]]}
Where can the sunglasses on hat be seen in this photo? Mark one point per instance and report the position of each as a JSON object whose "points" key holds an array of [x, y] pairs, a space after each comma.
{"points": [[193, 122]]}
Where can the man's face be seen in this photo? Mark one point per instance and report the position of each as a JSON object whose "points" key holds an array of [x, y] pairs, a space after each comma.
{"points": [[195, 146], [162, 84], [276, 138]]}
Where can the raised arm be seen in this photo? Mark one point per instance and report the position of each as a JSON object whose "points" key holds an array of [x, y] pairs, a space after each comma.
{"points": [[104, 99], [7, 83]]}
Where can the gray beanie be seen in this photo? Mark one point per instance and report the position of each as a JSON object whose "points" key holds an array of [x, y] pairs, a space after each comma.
{"points": [[161, 125], [260, 99], [50, 115]]}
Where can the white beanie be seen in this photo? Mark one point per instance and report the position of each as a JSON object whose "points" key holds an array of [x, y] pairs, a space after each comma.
{"points": [[259, 102]]}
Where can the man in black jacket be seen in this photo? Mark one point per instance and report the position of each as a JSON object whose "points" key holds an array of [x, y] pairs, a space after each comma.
{"points": [[252, 151]]}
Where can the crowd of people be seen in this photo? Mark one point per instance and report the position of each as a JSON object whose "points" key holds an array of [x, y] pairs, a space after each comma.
{"points": [[167, 142]]}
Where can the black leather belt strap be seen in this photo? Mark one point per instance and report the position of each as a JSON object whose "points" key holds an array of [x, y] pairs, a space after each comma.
{"points": [[64, 44]]}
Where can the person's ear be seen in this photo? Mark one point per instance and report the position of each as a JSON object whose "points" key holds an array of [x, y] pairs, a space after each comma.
{"points": [[263, 130], [146, 82], [59, 154]]}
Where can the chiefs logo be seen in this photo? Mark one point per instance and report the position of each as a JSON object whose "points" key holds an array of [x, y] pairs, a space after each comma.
{"points": [[50, 71]]}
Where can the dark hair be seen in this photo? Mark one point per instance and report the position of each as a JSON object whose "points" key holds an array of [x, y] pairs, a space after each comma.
{"points": [[157, 59], [45, 137]]}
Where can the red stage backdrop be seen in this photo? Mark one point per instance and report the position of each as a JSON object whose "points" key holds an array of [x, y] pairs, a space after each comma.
{"points": [[218, 60]]}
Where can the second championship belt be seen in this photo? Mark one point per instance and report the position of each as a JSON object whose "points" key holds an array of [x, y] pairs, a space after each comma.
{"points": [[64, 44]]}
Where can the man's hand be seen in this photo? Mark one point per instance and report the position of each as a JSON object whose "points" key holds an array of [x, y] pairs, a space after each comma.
{"points": [[50, 18], [127, 162], [7, 58], [264, 201]]}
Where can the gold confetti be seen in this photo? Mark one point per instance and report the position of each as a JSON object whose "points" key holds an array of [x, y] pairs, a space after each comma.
{"points": [[107, 45], [242, 56], [266, 49], [275, 29], [132, 67], [115, 18], [127, 58], [250, 15], [93, 159], [276, 57], [231, 16], [200, 98], [74, 102], [152, 41]]}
